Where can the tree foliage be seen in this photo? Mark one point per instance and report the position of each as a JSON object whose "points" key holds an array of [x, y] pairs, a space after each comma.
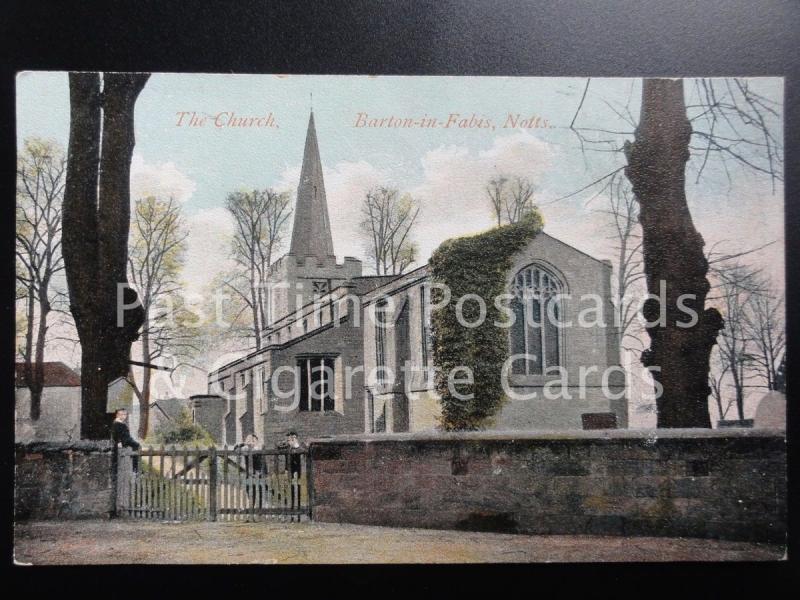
{"points": [[260, 221], [477, 264], [155, 261], [182, 431], [388, 219], [510, 197], [41, 171]]}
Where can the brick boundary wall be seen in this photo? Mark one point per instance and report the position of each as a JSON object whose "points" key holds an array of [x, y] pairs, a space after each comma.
{"points": [[689, 483], [55, 480]]}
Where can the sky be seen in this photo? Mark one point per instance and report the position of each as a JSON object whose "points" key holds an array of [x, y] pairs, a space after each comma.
{"points": [[444, 168]]}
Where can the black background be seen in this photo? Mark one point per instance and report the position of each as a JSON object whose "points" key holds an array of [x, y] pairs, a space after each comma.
{"points": [[567, 38]]}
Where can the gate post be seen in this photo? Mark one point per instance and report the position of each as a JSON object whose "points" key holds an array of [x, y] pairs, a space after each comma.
{"points": [[114, 480], [310, 483], [212, 484]]}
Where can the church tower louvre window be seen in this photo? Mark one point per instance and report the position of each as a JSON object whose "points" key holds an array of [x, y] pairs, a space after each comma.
{"points": [[320, 287], [537, 315]]}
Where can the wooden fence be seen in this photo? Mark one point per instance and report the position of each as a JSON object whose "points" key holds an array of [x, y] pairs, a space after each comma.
{"points": [[214, 484]]}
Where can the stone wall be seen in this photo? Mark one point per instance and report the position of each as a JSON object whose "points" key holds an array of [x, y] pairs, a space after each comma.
{"points": [[718, 484], [60, 419], [209, 412], [62, 480]]}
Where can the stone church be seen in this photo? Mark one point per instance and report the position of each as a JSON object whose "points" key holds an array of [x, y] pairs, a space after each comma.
{"points": [[333, 357]]}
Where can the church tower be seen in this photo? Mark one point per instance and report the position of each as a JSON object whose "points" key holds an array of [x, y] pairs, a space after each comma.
{"points": [[310, 268]]}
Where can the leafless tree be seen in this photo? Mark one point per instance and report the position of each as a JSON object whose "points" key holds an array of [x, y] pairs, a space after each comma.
{"points": [[41, 169], [496, 192], [716, 378], [510, 197], [520, 200], [738, 286], [623, 213], [96, 223], [726, 119], [155, 260], [764, 325], [387, 222], [260, 219]]}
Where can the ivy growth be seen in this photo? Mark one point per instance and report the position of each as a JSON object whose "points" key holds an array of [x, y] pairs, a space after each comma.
{"points": [[479, 265]]}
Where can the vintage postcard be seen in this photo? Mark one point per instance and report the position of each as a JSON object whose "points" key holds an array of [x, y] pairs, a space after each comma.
{"points": [[395, 319]]}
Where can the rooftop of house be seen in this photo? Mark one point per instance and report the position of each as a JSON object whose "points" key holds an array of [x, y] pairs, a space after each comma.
{"points": [[56, 374], [171, 407]]}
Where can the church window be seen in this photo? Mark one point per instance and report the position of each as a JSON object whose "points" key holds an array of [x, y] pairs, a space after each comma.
{"points": [[258, 389], [380, 339], [305, 325], [424, 329], [316, 384], [537, 315]]}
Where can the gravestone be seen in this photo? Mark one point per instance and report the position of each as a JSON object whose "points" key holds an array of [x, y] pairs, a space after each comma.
{"points": [[771, 411]]}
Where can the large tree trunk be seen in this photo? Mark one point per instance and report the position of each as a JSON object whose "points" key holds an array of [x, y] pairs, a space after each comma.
{"points": [[673, 253], [96, 220]]}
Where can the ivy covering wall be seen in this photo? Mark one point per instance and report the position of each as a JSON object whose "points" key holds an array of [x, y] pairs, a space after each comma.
{"points": [[477, 264]]}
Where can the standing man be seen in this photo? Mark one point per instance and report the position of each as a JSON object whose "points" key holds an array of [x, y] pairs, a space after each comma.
{"points": [[120, 434]]}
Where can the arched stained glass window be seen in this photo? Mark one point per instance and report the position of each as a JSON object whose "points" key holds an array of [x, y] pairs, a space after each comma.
{"points": [[537, 315]]}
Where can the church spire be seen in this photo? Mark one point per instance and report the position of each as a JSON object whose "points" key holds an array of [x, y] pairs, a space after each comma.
{"points": [[311, 235]]}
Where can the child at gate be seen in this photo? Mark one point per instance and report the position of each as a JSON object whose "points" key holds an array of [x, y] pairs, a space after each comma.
{"points": [[254, 468], [120, 434]]}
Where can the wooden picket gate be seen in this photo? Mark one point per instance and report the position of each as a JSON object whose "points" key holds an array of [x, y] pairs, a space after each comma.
{"points": [[214, 484]]}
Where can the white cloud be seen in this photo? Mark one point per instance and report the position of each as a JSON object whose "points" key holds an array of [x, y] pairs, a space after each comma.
{"points": [[585, 228], [749, 217], [162, 180], [208, 247], [453, 181], [345, 186], [452, 192]]}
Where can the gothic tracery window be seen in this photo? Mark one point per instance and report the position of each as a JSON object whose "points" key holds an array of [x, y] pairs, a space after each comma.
{"points": [[537, 315]]}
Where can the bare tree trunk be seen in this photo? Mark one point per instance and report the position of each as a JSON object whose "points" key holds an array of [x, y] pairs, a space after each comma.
{"points": [[36, 385], [144, 398], [673, 253], [254, 304], [30, 378], [738, 382], [96, 219]]}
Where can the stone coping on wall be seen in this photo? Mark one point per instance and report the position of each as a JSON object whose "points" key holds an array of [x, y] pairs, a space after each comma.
{"points": [[578, 434], [76, 446]]}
